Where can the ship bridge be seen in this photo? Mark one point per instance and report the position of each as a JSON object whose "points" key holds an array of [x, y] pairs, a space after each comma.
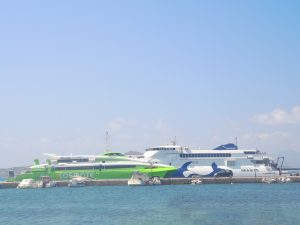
{"points": [[167, 148]]}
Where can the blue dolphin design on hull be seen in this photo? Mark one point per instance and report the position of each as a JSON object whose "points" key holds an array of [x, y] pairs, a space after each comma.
{"points": [[215, 168], [179, 172]]}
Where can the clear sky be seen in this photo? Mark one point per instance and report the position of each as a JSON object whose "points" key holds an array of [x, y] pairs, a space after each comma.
{"points": [[146, 71]]}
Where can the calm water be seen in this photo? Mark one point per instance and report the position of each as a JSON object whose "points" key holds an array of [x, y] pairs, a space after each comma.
{"points": [[203, 204]]}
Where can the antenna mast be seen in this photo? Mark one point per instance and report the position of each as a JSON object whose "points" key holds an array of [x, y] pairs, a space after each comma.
{"points": [[174, 141], [106, 141]]}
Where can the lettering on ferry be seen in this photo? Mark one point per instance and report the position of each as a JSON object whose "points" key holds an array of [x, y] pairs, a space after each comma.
{"points": [[82, 174]]}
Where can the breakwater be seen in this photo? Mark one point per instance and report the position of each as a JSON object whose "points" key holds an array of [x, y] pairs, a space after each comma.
{"points": [[164, 181]]}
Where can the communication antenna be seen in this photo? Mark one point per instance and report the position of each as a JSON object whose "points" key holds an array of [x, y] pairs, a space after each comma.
{"points": [[106, 141], [236, 141], [174, 141]]}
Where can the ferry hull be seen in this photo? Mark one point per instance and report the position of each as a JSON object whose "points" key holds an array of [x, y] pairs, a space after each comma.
{"points": [[97, 174]]}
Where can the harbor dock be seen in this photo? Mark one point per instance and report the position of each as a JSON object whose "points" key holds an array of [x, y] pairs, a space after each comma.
{"points": [[164, 181]]}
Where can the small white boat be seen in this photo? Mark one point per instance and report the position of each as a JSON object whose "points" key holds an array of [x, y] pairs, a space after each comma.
{"points": [[77, 181], [284, 180], [27, 184], [47, 182], [138, 179], [154, 181], [196, 181], [269, 180], [288, 180], [39, 184], [50, 184]]}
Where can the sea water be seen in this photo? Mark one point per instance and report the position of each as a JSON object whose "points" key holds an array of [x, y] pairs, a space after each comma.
{"points": [[174, 204]]}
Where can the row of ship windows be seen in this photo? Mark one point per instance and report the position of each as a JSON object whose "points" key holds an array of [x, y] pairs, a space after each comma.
{"points": [[161, 149], [250, 153], [71, 160], [205, 155], [94, 167]]}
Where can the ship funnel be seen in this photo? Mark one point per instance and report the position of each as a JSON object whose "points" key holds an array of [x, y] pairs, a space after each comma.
{"points": [[36, 162]]}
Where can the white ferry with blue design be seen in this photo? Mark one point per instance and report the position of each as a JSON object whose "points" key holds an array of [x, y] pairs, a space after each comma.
{"points": [[223, 161]]}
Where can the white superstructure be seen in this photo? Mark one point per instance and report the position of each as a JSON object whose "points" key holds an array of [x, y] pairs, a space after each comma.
{"points": [[226, 160]]}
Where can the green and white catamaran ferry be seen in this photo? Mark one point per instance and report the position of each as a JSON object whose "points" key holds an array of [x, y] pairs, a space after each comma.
{"points": [[107, 166]]}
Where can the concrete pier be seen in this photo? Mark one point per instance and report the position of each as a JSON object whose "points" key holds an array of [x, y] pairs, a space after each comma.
{"points": [[164, 181]]}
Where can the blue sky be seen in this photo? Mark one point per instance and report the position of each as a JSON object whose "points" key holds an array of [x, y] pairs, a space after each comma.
{"points": [[147, 71]]}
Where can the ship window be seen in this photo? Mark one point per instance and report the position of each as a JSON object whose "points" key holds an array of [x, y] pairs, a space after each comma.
{"points": [[118, 166], [94, 167], [249, 153], [71, 160]]}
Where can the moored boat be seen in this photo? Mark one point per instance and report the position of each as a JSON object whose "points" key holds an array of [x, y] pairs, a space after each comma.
{"points": [[77, 181], [138, 179], [107, 166], [27, 184], [223, 161]]}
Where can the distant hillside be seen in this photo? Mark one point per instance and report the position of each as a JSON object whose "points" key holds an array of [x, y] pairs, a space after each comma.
{"points": [[17, 170]]}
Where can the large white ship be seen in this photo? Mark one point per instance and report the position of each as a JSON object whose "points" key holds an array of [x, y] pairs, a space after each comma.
{"points": [[226, 160]]}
